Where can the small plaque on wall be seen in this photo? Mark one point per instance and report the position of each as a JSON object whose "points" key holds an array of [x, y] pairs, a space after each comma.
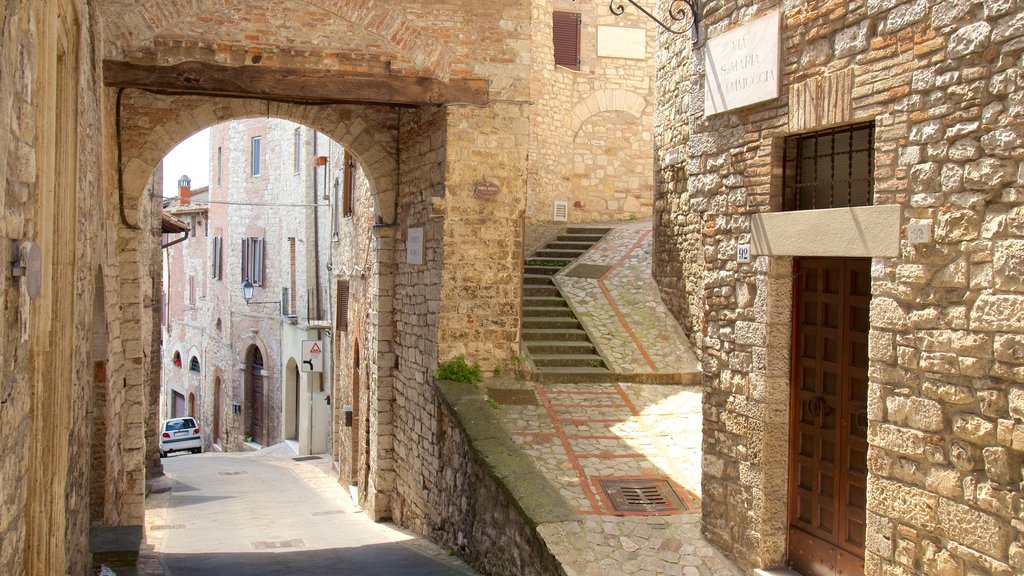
{"points": [[486, 189], [414, 246]]}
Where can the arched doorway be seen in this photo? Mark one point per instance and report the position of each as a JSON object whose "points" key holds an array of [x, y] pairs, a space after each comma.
{"points": [[217, 407], [255, 416]]}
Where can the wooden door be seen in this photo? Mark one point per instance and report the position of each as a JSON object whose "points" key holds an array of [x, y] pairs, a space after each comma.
{"points": [[828, 447], [257, 397]]}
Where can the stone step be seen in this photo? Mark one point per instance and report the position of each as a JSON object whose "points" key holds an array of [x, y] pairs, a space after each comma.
{"points": [[576, 246], [547, 311], [537, 291], [547, 301], [541, 270], [538, 280], [581, 238], [554, 334], [551, 323], [557, 254], [571, 375], [543, 347], [587, 230], [666, 378], [542, 361]]}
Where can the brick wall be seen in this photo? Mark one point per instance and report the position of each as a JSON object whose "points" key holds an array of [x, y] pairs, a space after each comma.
{"points": [[938, 83]]}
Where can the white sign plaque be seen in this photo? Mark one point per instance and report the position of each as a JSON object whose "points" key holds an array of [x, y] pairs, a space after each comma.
{"points": [[919, 233], [414, 246], [620, 42], [312, 356], [743, 253], [741, 66]]}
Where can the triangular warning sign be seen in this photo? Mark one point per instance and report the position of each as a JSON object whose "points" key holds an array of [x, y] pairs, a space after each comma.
{"points": [[315, 349]]}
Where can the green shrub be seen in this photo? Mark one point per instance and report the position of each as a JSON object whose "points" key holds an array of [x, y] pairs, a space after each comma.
{"points": [[457, 370]]}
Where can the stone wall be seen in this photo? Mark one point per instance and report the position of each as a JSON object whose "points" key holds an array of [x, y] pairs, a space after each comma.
{"points": [[591, 131], [940, 82]]}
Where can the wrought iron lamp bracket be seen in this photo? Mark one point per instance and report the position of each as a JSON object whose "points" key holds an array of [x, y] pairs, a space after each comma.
{"points": [[684, 15]]}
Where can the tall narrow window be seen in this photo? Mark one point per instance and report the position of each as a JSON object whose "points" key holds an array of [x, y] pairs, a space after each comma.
{"points": [[565, 35], [298, 150], [350, 185], [220, 164], [829, 169], [252, 260], [256, 155], [190, 298], [216, 258], [292, 270]]}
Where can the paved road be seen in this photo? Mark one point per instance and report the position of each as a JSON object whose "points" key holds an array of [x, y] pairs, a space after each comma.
{"points": [[234, 515]]}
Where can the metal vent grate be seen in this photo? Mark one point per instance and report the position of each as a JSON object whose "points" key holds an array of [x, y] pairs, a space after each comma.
{"points": [[561, 211], [305, 458], [642, 495]]}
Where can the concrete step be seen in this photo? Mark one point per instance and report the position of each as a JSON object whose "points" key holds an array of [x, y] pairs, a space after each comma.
{"points": [[587, 230], [572, 375], [541, 270], [549, 301], [580, 238], [548, 335], [538, 280], [547, 311], [539, 291], [542, 361], [666, 378], [544, 347], [551, 323]]}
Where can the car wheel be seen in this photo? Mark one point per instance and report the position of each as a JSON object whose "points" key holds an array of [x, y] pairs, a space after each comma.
{"points": [[197, 450], [163, 454]]}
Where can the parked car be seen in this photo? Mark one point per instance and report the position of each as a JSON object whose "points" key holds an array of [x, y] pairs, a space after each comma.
{"points": [[178, 434]]}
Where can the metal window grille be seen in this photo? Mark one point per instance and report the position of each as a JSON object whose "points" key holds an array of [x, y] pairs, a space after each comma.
{"points": [[829, 169]]}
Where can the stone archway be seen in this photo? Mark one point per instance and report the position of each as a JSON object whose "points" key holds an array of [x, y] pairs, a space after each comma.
{"points": [[609, 180]]}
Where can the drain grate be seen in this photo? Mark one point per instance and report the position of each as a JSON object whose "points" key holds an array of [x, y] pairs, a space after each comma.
{"points": [[236, 473], [514, 396], [590, 271], [277, 544], [642, 495], [304, 458]]}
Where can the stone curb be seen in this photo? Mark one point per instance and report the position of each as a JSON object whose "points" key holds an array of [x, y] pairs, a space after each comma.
{"points": [[533, 494]]}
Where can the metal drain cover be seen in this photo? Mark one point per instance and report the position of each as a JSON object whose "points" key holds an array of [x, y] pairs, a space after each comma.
{"points": [[304, 458], [591, 271], [643, 495], [277, 544], [234, 473], [514, 396]]}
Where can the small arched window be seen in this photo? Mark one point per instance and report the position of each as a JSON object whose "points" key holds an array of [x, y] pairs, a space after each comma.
{"points": [[193, 365], [176, 359]]}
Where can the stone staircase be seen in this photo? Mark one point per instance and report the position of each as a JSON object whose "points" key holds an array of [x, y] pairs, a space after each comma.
{"points": [[557, 346]]}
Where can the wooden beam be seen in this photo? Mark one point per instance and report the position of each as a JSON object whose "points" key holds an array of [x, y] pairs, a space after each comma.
{"points": [[294, 84]]}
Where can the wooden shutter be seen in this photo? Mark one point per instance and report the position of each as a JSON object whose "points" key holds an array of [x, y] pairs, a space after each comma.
{"points": [[258, 264], [216, 272], [565, 35], [350, 184], [245, 260], [343, 305]]}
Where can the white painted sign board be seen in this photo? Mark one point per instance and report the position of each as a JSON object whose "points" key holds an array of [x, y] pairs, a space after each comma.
{"points": [[621, 42], [312, 356], [741, 66], [414, 246]]}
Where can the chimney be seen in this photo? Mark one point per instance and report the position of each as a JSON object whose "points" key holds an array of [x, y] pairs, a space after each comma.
{"points": [[184, 191]]}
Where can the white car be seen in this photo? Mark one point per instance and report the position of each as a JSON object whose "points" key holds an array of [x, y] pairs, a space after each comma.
{"points": [[178, 434]]}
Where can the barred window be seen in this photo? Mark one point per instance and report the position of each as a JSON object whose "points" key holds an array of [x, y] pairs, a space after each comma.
{"points": [[829, 169]]}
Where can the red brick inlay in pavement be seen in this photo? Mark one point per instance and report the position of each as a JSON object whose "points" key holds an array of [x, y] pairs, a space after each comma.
{"points": [[615, 307], [599, 501]]}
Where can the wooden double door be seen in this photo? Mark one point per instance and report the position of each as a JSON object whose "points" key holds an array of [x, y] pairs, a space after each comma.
{"points": [[828, 443]]}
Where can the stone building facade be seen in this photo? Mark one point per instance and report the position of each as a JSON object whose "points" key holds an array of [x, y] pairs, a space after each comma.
{"points": [[863, 369], [591, 127], [211, 366]]}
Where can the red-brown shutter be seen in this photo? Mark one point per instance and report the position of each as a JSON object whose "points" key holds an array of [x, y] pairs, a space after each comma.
{"points": [[565, 34], [350, 179], [343, 305]]}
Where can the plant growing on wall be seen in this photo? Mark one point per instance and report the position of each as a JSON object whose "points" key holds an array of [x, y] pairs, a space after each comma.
{"points": [[457, 370]]}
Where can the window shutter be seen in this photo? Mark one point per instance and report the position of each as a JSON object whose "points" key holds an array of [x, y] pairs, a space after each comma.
{"points": [[565, 35], [257, 271], [343, 305], [216, 258], [245, 260], [346, 201]]}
